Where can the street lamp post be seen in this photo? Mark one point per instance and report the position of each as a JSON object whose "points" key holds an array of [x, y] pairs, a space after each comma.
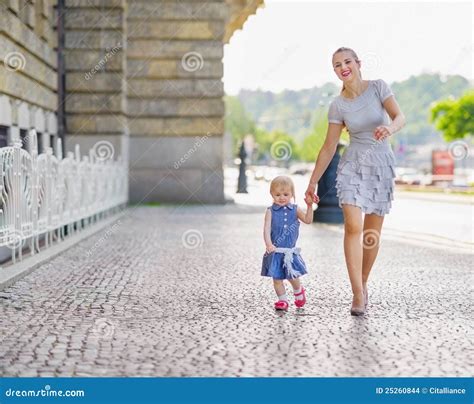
{"points": [[242, 181], [328, 207]]}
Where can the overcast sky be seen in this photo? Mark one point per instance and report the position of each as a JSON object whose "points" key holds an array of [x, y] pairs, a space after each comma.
{"points": [[289, 44]]}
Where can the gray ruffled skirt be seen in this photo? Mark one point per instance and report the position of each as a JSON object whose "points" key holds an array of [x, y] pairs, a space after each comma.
{"points": [[365, 177]]}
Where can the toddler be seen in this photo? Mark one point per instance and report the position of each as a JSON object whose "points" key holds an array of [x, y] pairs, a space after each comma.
{"points": [[282, 260]]}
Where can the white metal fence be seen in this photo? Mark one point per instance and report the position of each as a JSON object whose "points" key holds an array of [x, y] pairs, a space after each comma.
{"points": [[45, 196]]}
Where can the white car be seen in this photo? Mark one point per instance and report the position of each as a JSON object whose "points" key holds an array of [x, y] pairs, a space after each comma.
{"points": [[410, 176]]}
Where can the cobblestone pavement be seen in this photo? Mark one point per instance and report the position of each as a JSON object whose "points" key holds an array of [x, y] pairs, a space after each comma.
{"points": [[151, 297]]}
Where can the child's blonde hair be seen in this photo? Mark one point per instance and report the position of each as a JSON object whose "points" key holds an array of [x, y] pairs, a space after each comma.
{"points": [[282, 181]]}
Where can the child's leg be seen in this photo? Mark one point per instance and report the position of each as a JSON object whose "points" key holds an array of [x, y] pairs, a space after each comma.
{"points": [[280, 289], [296, 283]]}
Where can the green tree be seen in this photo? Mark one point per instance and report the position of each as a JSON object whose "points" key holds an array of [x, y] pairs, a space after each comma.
{"points": [[276, 145], [312, 143], [287, 110], [455, 118], [237, 121]]}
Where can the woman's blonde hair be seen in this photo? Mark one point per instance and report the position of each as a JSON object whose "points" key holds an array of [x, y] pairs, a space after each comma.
{"points": [[354, 55], [283, 181]]}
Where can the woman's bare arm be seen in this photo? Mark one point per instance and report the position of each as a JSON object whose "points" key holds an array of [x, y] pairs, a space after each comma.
{"points": [[397, 117], [326, 154]]}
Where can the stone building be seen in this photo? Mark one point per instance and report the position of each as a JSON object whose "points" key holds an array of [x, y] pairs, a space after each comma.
{"points": [[143, 77], [28, 71]]}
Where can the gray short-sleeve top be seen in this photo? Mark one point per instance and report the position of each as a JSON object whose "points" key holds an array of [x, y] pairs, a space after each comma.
{"points": [[364, 113]]}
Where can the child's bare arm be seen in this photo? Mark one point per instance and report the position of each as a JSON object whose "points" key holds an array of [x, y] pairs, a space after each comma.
{"points": [[267, 231], [306, 217]]}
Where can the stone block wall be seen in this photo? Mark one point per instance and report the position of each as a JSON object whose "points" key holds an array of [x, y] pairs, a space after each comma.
{"points": [[175, 105], [28, 71], [95, 71]]}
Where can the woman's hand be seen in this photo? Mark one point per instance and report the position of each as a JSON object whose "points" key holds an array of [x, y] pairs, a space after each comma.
{"points": [[382, 132], [270, 248], [309, 201], [310, 195]]}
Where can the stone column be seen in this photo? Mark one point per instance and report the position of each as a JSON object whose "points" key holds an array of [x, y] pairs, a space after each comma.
{"points": [[95, 43], [175, 97]]}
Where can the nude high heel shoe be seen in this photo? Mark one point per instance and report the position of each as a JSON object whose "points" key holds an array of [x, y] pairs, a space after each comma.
{"points": [[357, 310]]}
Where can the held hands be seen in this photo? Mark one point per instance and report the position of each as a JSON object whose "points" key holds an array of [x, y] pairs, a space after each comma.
{"points": [[309, 200], [310, 196], [382, 132]]}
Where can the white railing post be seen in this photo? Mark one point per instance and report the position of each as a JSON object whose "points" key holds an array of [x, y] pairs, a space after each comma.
{"points": [[61, 189], [49, 195], [34, 243], [16, 199], [42, 194]]}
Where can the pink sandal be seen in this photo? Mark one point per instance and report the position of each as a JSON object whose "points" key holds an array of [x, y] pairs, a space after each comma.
{"points": [[281, 305], [301, 302]]}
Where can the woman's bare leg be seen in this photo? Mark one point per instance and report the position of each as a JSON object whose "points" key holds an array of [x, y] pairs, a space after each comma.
{"points": [[353, 250], [370, 242]]}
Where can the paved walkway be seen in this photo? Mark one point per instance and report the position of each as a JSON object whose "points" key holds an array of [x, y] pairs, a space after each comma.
{"points": [[177, 292]]}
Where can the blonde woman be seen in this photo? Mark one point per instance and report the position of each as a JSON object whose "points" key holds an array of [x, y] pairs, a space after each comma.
{"points": [[365, 173]]}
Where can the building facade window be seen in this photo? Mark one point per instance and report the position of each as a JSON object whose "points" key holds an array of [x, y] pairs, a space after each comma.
{"points": [[4, 136], [40, 142], [24, 139], [52, 143]]}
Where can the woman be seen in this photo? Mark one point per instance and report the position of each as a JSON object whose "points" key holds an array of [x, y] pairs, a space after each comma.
{"points": [[365, 172]]}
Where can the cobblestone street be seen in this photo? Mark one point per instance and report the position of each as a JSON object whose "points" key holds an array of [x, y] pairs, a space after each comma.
{"points": [[151, 297]]}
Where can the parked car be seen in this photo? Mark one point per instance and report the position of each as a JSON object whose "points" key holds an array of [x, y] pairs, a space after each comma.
{"points": [[267, 173], [410, 176], [301, 169]]}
